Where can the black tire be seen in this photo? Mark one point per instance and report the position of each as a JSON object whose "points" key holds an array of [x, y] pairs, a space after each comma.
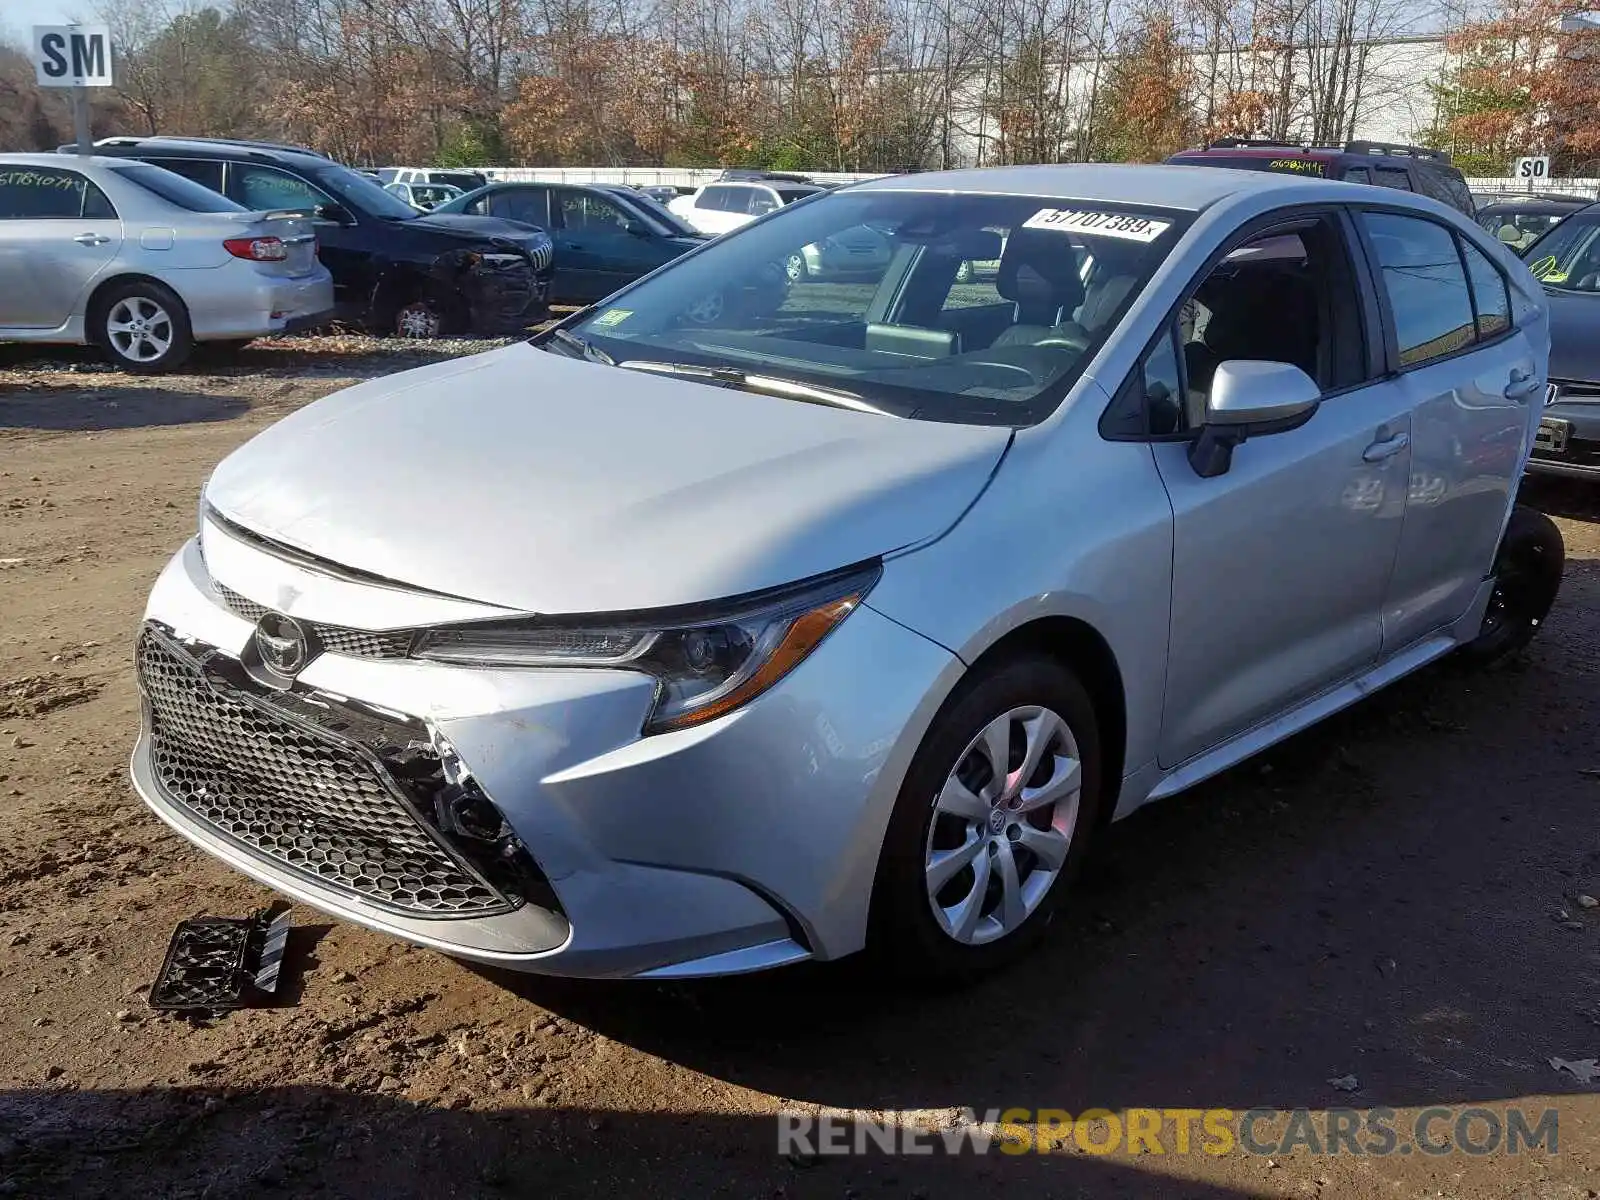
{"points": [[142, 299], [904, 936], [1527, 571]]}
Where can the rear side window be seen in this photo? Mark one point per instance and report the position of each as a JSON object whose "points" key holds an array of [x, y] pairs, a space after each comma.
{"points": [[262, 188], [1426, 285], [49, 193], [1490, 294], [1393, 177], [176, 190], [206, 172], [1447, 187], [720, 199], [527, 205], [1358, 175]]}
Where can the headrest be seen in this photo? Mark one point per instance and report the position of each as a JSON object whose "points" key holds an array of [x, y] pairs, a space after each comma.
{"points": [[1040, 265]]}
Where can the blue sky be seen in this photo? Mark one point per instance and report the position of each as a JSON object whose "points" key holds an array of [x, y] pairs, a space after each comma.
{"points": [[18, 17]]}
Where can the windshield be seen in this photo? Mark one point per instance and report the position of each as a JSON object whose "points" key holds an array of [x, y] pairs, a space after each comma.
{"points": [[1568, 257], [176, 190], [943, 307], [790, 194], [363, 192]]}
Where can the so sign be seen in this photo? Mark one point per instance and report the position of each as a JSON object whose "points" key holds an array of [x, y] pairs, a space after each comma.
{"points": [[1532, 168], [72, 55]]}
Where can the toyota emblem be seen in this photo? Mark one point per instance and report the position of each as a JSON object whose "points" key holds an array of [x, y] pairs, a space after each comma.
{"points": [[282, 644]]}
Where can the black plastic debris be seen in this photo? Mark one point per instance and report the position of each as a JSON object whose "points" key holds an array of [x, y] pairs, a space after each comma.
{"points": [[220, 963]]}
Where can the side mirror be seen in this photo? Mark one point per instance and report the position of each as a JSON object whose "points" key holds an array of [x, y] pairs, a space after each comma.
{"points": [[337, 213], [1250, 398], [638, 229]]}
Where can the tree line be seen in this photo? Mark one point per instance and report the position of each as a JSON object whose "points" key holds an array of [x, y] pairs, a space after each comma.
{"points": [[864, 85]]}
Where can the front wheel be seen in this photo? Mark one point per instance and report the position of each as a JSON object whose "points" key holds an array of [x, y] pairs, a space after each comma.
{"points": [[1527, 576], [143, 327], [796, 269], [993, 820]]}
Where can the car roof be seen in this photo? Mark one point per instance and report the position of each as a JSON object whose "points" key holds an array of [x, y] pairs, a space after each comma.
{"points": [[179, 147], [47, 158], [1175, 187]]}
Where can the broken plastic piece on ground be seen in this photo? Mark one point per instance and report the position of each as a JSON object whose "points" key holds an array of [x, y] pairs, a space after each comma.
{"points": [[219, 963]]}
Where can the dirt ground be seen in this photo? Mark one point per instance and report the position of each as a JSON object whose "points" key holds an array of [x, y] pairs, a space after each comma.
{"points": [[1390, 902]]}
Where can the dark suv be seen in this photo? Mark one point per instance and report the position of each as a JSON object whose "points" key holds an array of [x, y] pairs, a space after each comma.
{"points": [[1407, 168], [394, 269]]}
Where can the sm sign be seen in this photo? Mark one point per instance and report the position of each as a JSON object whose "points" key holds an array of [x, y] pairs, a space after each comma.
{"points": [[72, 55]]}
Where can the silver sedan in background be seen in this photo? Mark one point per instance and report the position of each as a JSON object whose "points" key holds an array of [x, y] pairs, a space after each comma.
{"points": [[144, 263]]}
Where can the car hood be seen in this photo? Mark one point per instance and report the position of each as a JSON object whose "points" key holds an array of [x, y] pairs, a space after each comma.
{"points": [[1574, 335], [468, 225], [546, 484]]}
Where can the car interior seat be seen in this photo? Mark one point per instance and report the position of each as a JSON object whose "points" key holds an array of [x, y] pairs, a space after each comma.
{"points": [[1039, 275]]}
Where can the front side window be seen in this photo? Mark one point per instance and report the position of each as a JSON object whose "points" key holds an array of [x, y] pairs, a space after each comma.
{"points": [[585, 210], [1426, 285], [1287, 295], [761, 200], [527, 205], [905, 299], [49, 193], [720, 199]]}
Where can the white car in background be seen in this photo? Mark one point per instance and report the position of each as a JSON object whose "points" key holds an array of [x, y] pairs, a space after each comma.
{"points": [[143, 263], [723, 207], [424, 197]]}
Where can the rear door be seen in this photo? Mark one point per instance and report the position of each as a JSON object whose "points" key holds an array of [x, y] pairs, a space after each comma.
{"points": [[58, 234], [1469, 375]]}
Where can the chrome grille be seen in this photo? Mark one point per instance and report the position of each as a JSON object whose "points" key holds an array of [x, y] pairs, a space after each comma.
{"points": [[296, 794], [334, 639]]}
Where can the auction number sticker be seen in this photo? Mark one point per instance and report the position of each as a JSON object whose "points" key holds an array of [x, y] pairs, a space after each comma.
{"points": [[612, 317], [1099, 224]]}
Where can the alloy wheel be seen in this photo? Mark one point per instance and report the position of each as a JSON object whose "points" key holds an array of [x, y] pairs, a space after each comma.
{"points": [[139, 329], [1003, 824], [419, 319]]}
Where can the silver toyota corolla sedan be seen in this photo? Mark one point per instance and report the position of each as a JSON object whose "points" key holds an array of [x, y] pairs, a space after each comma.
{"points": [[144, 263], [663, 648]]}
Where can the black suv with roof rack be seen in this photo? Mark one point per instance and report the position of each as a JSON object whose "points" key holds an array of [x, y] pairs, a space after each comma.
{"points": [[1386, 164], [395, 269]]}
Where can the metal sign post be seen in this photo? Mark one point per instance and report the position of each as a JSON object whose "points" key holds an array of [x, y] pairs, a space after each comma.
{"points": [[78, 57]]}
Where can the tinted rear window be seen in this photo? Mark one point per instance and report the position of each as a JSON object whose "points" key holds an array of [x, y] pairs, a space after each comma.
{"points": [[176, 190]]}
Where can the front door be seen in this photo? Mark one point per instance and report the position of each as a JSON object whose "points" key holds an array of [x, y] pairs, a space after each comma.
{"points": [[1280, 564], [58, 232], [596, 252], [1470, 377]]}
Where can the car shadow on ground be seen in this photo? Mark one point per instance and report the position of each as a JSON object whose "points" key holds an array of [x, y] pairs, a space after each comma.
{"points": [[1389, 896], [196, 1141], [81, 407]]}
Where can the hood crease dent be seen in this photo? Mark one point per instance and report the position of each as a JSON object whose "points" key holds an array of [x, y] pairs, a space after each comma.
{"points": [[534, 482]]}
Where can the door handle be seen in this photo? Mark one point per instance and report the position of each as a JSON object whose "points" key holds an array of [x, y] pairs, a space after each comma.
{"points": [[574, 246], [1523, 385], [1386, 447], [91, 239]]}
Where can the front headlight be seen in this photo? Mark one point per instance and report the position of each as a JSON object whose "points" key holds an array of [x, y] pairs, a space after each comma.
{"points": [[706, 661]]}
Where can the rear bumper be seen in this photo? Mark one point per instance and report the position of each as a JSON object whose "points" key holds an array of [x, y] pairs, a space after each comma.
{"points": [[241, 302]]}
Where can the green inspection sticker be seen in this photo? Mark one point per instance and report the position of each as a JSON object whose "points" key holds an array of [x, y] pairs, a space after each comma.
{"points": [[613, 316]]}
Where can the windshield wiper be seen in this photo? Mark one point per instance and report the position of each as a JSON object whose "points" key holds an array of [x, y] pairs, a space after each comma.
{"points": [[774, 385], [581, 348]]}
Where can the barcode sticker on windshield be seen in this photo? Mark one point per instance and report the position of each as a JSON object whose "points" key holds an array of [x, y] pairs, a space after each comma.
{"points": [[1098, 224]]}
